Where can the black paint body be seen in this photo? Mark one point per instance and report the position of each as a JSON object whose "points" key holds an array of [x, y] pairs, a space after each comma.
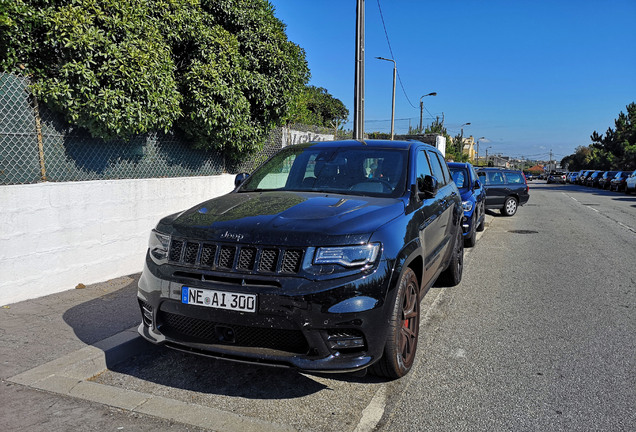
{"points": [[301, 311]]}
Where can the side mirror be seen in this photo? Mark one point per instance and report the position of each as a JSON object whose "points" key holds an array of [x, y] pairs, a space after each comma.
{"points": [[240, 178], [477, 184], [427, 186]]}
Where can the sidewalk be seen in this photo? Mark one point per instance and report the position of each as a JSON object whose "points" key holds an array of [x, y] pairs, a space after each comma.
{"points": [[35, 332]]}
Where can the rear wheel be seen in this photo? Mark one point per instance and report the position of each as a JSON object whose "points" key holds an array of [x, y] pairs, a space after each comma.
{"points": [[401, 344], [453, 274], [510, 207]]}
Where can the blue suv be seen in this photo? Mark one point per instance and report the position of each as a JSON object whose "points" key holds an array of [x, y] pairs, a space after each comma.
{"points": [[473, 199]]}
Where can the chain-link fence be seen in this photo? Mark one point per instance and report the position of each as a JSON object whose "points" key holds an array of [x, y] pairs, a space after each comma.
{"points": [[38, 145]]}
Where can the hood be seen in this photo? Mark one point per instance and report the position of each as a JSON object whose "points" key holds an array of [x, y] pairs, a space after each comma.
{"points": [[284, 218]]}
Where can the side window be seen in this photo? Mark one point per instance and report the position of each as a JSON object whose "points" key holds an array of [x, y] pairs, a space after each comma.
{"points": [[438, 172], [514, 177], [445, 170], [423, 168], [474, 176], [482, 177], [495, 178]]}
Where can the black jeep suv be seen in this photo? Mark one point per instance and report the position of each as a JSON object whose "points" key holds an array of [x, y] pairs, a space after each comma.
{"points": [[317, 261]]}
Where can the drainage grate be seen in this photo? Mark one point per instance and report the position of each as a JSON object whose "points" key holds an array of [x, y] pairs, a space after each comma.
{"points": [[523, 232]]}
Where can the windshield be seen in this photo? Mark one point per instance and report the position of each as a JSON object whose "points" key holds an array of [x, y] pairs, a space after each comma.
{"points": [[460, 177], [343, 170]]}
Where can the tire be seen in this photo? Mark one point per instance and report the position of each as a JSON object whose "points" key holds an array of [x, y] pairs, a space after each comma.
{"points": [[401, 343], [510, 207], [471, 239], [453, 274], [482, 225]]}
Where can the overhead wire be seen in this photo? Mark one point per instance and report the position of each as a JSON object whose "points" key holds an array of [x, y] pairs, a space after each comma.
{"points": [[386, 34]]}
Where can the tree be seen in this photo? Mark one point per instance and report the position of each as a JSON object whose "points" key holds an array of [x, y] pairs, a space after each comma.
{"points": [[223, 71], [315, 106], [615, 150], [581, 159], [454, 146]]}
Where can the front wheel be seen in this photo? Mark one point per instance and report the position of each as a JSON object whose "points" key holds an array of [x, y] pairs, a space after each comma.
{"points": [[471, 238], [482, 224], [510, 207], [404, 326]]}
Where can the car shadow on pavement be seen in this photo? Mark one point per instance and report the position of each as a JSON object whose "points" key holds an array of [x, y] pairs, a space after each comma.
{"points": [[154, 368], [106, 315]]}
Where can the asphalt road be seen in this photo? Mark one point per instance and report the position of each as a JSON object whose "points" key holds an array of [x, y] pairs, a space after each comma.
{"points": [[540, 334]]}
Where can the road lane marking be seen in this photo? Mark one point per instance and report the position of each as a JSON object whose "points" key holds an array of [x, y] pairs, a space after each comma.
{"points": [[372, 414], [627, 227]]}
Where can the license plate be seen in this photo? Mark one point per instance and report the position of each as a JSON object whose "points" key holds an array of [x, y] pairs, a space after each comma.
{"points": [[218, 299]]}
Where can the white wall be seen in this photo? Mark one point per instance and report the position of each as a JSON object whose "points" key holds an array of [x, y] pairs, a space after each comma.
{"points": [[54, 236]]}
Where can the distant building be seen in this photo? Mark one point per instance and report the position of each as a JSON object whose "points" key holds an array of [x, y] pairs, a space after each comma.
{"points": [[468, 148]]}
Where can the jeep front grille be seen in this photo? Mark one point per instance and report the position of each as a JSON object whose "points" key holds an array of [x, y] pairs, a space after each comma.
{"points": [[240, 258], [204, 331]]}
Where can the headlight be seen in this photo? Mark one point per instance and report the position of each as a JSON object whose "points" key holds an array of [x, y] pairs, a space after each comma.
{"points": [[158, 246], [348, 256], [467, 205]]}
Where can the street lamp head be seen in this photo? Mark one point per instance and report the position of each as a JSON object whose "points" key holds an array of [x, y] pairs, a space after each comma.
{"points": [[386, 59], [466, 124], [430, 94]]}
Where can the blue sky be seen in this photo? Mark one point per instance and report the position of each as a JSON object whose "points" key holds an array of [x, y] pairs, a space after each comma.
{"points": [[530, 76]]}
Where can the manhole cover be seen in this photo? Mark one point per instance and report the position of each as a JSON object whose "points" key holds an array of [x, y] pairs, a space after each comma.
{"points": [[523, 232]]}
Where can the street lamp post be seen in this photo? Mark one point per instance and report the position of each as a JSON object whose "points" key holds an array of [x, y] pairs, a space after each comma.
{"points": [[487, 154], [465, 124], [393, 102], [422, 107], [477, 153]]}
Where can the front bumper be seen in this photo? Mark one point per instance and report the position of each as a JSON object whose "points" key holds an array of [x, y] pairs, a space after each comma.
{"points": [[467, 222], [335, 325]]}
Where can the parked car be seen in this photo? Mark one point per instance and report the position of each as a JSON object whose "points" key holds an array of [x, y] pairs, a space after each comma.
{"points": [[619, 180], [318, 260], [473, 200], [506, 189], [606, 178], [582, 179], [529, 176], [592, 179], [556, 177], [630, 183], [571, 177]]}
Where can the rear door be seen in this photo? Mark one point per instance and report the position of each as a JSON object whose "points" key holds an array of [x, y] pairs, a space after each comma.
{"points": [[429, 220], [496, 189], [446, 203]]}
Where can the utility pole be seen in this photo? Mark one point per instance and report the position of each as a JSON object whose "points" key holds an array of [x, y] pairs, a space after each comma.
{"points": [[393, 98], [358, 97]]}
